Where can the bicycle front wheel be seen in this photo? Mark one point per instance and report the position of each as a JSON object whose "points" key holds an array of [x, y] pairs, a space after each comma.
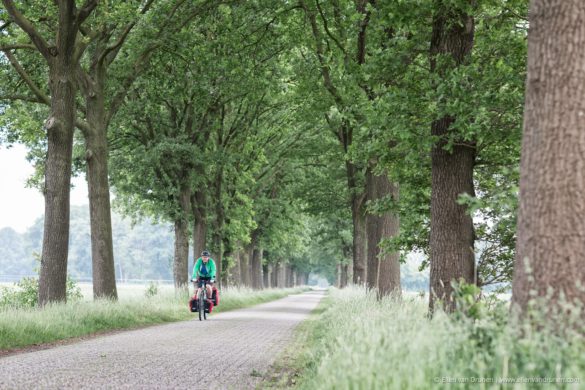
{"points": [[201, 306], [204, 302]]}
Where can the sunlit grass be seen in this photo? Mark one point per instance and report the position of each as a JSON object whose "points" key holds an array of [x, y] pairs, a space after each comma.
{"points": [[23, 327], [360, 343]]}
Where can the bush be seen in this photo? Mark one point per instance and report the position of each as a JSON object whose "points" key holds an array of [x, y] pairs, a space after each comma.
{"points": [[151, 290], [25, 293]]}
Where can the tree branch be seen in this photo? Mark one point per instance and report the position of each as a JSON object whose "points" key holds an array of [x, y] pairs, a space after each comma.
{"points": [[85, 10], [327, 31], [137, 69], [321, 57], [83, 126], [111, 51], [24, 98], [27, 79], [17, 46], [27, 27]]}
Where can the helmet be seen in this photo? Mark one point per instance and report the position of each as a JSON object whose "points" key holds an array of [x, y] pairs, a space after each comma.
{"points": [[205, 253]]}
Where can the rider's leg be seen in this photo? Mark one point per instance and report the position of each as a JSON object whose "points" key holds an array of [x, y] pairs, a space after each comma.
{"points": [[209, 292]]}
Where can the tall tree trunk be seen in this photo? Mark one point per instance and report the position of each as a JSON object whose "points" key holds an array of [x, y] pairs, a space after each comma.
{"points": [[274, 275], [551, 227], [96, 155], [256, 267], [389, 267], [344, 275], [281, 281], [60, 128], [359, 243], [383, 269], [198, 206], [236, 269], [359, 225], [289, 271], [373, 231], [452, 234], [218, 226], [59, 125], [266, 276], [181, 259], [245, 267]]}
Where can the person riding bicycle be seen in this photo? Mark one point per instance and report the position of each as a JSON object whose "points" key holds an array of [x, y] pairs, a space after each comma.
{"points": [[204, 273]]}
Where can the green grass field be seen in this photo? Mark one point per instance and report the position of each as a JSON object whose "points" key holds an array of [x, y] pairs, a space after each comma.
{"points": [[357, 342], [24, 327]]}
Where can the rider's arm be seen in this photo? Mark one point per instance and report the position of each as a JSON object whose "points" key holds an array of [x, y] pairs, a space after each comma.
{"points": [[196, 268], [212, 268]]}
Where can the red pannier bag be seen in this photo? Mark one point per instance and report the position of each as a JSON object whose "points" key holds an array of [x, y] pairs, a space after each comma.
{"points": [[193, 304], [215, 295]]}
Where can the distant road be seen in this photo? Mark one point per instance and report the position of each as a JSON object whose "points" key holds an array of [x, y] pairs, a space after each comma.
{"points": [[225, 352]]}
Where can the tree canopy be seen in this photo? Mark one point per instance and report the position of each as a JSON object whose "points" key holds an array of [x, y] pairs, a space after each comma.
{"points": [[288, 137]]}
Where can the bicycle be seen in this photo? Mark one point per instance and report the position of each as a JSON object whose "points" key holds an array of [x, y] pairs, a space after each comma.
{"points": [[202, 299]]}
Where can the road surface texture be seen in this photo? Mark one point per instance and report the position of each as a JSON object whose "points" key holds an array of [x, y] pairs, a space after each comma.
{"points": [[228, 351]]}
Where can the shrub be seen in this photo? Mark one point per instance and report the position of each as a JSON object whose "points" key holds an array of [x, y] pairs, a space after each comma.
{"points": [[151, 290], [25, 293]]}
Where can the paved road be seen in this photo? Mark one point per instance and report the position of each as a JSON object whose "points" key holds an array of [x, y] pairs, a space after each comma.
{"points": [[239, 344]]}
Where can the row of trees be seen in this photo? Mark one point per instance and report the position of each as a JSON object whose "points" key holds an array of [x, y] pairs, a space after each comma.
{"points": [[426, 104], [323, 135], [196, 142], [239, 120]]}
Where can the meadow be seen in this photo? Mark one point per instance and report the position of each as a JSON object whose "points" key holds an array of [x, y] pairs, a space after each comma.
{"points": [[357, 342]]}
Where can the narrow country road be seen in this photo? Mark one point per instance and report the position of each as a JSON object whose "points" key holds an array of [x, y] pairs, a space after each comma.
{"points": [[236, 345]]}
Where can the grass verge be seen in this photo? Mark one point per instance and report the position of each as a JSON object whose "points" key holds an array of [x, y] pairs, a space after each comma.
{"points": [[358, 342], [27, 327], [297, 358]]}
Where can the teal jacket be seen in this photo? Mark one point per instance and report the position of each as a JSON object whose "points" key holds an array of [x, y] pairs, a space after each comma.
{"points": [[210, 268]]}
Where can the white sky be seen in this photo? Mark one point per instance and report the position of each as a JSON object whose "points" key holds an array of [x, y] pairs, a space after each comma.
{"points": [[21, 206]]}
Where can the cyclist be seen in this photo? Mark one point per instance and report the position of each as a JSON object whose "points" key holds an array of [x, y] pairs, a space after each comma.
{"points": [[204, 273]]}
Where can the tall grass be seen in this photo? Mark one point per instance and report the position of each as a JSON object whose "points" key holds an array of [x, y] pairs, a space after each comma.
{"points": [[361, 343], [21, 327]]}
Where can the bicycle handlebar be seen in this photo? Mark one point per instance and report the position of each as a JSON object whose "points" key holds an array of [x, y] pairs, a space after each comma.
{"points": [[209, 281]]}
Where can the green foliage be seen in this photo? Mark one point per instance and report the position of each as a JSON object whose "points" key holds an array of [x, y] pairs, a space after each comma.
{"points": [[25, 292], [151, 290], [466, 296], [262, 106]]}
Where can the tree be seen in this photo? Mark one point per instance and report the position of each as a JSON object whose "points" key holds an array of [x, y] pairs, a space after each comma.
{"points": [[114, 31], [349, 60], [62, 59], [549, 249], [383, 266], [484, 95], [452, 161]]}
